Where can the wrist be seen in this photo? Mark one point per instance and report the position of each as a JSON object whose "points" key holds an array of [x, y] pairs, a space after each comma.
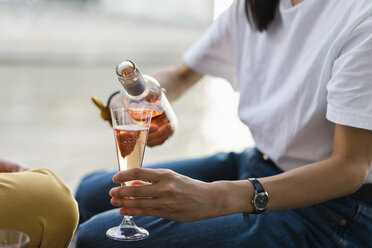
{"points": [[234, 197], [261, 197]]}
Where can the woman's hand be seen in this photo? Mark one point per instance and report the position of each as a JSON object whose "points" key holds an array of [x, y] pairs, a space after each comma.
{"points": [[158, 135], [169, 195], [10, 166]]}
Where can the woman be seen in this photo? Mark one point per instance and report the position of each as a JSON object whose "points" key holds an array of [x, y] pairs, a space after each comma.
{"points": [[303, 72]]}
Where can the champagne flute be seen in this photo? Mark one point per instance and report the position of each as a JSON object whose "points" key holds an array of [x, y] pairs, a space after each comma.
{"points": [[13, 239], [131, 127]]}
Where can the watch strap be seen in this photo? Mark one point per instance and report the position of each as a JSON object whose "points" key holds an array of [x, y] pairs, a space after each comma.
{"points": [[258, 189], [257, 185]]}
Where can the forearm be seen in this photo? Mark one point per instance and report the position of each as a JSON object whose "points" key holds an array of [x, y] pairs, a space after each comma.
{"points": [[177, 80], [305, 186]]}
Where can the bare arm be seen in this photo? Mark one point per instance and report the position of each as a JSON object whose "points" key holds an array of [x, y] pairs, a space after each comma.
{"points": [[177, 80], [180, 198], [342, 174]]}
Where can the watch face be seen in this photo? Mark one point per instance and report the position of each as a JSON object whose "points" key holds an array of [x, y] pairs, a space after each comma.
{"points": [[261, 201]]}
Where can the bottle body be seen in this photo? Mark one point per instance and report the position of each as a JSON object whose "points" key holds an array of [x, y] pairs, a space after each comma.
{"points": [[150, 96]]}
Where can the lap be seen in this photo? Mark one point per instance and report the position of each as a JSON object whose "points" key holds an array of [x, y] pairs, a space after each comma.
{"points": [[273, 229], [338, 223]]}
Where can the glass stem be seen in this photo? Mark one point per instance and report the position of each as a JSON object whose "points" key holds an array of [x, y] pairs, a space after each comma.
{"points": [[127, 222]]}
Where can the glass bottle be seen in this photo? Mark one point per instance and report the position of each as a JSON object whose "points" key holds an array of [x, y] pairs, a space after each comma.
{"points": [[143, 91]]}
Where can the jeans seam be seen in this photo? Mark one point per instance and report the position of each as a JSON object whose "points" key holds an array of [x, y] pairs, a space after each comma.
{"points": [[366, 209]]}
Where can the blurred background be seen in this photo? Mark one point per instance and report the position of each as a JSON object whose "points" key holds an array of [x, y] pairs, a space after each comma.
{"points": [[56, 54]]}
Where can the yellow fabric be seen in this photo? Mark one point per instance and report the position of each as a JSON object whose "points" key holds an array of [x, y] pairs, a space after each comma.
{"points": [[38, 203], [105, 111]]}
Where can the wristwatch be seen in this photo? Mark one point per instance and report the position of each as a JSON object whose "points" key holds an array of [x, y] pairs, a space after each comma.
{"points": [[261, 197]]}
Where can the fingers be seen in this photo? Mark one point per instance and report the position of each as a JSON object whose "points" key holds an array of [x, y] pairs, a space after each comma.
{"points": [[134, 203], [140, 212], [158, 135], [142, 189], [23, 169], [10, 166], [138, 183], [153, 128], [143, 207], [157, 132], [134, 191], [143, 174]]}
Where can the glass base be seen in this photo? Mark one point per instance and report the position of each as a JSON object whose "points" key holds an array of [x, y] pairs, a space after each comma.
{"points": [[127, 233]]}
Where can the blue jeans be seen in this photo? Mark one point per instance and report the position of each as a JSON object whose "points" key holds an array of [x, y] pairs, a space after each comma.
{"points": [[343, 222]]}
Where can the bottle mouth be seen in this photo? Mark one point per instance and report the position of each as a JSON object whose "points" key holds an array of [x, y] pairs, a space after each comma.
{"points": [[130, 78], [127, 71]]}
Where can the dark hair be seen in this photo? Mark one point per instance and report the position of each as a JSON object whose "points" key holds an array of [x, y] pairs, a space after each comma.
{"points": [[261, 13]]}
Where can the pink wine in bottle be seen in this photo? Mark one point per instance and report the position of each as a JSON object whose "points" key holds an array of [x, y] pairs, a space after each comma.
{"points": [[143, 91]]}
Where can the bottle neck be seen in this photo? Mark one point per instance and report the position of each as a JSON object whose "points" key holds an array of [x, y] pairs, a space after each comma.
{"points": [[131, 78], [134, 88]]}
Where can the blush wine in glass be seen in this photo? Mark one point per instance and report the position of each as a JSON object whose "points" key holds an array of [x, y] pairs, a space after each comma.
{"points": [[130, 145], [131, 127]]}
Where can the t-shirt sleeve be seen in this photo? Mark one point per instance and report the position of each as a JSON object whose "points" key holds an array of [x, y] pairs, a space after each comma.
{"points": [[214, 54], [349, 100]]}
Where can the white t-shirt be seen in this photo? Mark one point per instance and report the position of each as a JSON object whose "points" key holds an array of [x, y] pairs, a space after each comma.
{"points": [[310, 70]]}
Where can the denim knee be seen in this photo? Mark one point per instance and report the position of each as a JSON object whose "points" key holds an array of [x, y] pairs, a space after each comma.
{"points": [[85, 197], [92, 194], [92, 233]]}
